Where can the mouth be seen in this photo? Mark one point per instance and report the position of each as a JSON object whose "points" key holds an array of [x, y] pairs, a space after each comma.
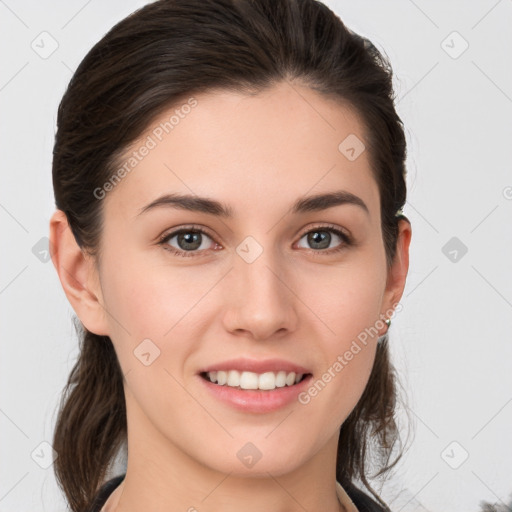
{"points": [[257, 393], [256, 386], [252, 381]]}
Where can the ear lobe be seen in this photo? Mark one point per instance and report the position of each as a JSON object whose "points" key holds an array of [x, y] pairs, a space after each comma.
{"points": [[77, 275], [397, 273]]}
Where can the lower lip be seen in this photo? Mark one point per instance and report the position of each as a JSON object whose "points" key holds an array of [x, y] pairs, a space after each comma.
{"points": [[256, 400]]}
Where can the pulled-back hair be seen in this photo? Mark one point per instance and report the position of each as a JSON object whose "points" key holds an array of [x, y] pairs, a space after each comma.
{"points": [[150, 61]]}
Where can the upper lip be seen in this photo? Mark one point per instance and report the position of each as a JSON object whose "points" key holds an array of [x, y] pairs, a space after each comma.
{"points": [[256, 366]]}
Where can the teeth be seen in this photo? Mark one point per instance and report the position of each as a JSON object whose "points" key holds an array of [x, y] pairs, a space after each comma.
{"points": [[251, 380], [281, 379], [233, 378]]}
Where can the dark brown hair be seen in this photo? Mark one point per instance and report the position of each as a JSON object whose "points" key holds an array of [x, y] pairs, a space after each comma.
{"points": [[150, 61]]}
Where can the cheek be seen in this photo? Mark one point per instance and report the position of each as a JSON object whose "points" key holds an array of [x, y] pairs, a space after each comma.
{"points": [[150, 299], [152, 311], [147, 302], [346, 301]]}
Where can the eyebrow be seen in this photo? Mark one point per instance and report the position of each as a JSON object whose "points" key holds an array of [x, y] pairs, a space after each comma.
{"points": [[305, 204]]}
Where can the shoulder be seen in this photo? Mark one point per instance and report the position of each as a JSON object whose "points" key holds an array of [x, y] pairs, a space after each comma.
{"points": [[362, 501]]}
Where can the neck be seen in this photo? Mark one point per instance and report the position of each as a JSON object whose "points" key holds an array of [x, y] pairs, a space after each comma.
{"points": [[162, 477]]}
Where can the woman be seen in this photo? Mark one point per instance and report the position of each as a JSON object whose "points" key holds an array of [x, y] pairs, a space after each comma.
{"points": [[232, 177]]}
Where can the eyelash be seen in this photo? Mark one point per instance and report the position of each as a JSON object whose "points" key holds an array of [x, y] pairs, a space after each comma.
{"points": [[347, 240]]}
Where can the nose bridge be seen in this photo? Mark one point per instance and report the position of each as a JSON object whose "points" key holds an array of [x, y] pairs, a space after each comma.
{"points": [[259, 300]]}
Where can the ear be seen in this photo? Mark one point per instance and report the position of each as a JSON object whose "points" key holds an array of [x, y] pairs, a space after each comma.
{"points": [[397, 273], [78, 275]]}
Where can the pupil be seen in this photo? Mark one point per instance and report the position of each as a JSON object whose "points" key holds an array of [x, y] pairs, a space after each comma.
{"points": [[189, 241], [322, 238]]}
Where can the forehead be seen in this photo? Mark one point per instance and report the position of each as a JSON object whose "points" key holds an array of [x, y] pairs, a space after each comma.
{"points": [[249, 151]]}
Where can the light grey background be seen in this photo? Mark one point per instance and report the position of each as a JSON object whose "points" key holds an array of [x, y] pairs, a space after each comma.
{"points": [[451, 343]]}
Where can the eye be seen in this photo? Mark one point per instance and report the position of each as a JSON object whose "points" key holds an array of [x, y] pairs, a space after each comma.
{"points": [[193, 240], [190, 241], [320, 238]]}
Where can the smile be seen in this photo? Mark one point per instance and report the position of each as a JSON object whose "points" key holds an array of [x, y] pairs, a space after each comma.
{"points": [[246, 380], [268, 396]]}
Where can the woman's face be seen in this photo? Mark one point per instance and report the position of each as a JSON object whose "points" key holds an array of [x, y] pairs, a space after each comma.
{"points": [[269, 286]]}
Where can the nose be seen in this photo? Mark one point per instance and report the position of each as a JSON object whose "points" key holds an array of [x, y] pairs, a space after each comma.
{"points": [[260, 302]]}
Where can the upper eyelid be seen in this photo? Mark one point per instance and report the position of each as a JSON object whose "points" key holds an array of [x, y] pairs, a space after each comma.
{"points": [[185, 228], [176, 231]]}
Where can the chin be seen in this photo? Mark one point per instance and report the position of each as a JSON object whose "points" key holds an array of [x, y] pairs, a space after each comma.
{"points": [[248, 462]]}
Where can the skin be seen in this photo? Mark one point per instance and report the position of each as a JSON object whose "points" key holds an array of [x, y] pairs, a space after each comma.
{"points": [[258, 154]]}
